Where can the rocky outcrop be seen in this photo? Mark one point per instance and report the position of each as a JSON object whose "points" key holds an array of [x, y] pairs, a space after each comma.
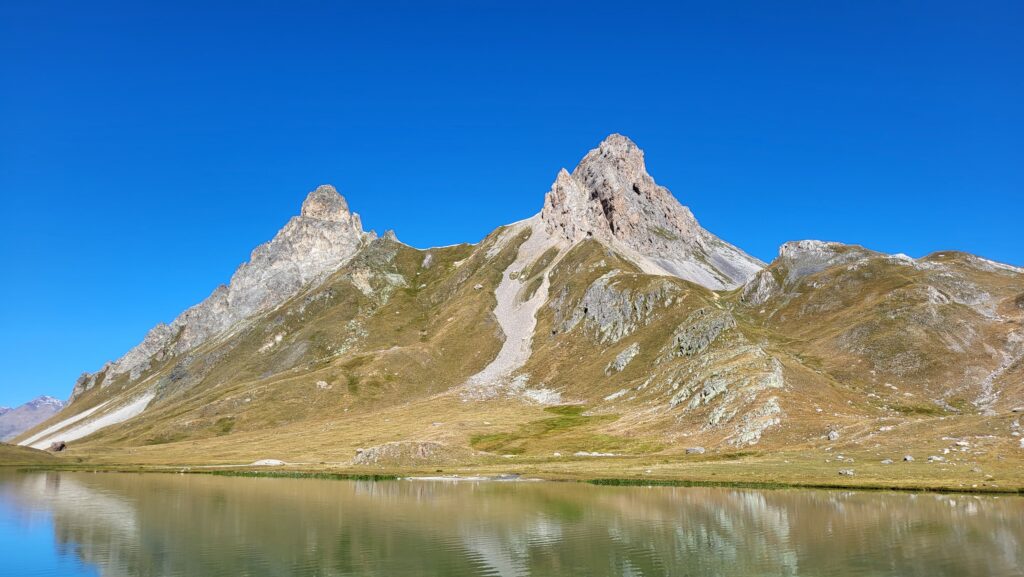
{"points": [[324, 236], [798, 260], [623, 359], [698, 331], [405, 453], [612, 308], [610, 197]]}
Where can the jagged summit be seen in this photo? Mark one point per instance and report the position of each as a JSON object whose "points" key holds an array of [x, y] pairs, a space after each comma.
{"points": [[325, 203], [309, 247], [611, 197]]}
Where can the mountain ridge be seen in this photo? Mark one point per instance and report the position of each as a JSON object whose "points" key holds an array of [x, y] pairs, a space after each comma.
{"points": [[612, 298]]}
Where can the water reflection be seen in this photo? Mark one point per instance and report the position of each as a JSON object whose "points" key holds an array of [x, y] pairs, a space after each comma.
{"points": [[200, 525]]}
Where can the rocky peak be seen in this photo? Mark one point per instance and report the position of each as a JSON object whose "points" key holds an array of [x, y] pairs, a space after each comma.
{"points": [[46, 401], [311, 246], [611, 197], [325, 203]]}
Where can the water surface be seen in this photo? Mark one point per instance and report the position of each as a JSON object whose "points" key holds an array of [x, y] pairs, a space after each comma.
{"points": [[156, 524]]}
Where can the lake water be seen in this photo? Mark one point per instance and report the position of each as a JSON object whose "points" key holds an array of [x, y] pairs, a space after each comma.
{"points": [[159, 524]]}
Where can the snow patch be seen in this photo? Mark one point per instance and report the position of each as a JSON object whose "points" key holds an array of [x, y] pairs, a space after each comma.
{"points": [[65, 423], [119, 415]]}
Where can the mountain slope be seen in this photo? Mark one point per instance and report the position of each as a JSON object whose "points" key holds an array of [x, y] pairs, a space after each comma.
{"points": [[609, 323]]}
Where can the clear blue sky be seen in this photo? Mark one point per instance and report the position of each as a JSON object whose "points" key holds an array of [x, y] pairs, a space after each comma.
{"points": [[144, 150]]}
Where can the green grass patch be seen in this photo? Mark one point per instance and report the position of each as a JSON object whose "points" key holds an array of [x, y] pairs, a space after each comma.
{"points": [[564, 425], [224, 425], [926, 410]]}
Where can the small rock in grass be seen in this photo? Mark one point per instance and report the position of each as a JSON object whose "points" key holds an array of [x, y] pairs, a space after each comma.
{"points": [[908, 458], [846, 472], [886, 461], [695, 451]]}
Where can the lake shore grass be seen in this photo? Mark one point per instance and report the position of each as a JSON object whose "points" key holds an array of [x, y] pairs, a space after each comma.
{"points": [[710, 474]]}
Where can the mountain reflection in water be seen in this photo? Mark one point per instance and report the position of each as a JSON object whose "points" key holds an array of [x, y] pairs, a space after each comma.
{"points": [[154, 524]]}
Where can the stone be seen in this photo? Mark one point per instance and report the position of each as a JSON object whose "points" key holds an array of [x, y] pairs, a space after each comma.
{"points": [[833, 435], [57, 446], [846, 472], [886, 461], [701, 328], [402, 453], [623, 359], [695, 451], [908, 458]]}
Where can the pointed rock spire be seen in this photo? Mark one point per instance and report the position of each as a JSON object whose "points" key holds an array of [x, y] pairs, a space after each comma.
{"points": [[310, 247], [325, 203], [611, 197]]}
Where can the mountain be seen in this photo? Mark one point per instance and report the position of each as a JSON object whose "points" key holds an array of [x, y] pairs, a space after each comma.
{"points": [[610, 197], [610, 322], [17, 420]]}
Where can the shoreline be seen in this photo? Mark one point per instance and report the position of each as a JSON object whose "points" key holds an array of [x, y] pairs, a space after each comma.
{"points": [[239, 471]]}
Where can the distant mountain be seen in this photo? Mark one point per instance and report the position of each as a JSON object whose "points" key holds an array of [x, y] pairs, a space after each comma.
{"points": [[612, 307], [14, 421]]}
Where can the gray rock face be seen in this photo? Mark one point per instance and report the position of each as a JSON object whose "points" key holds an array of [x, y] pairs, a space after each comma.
{"points": [[613, 310], [698, 331], [622, 359], [15, 421], [610, 197], [312, 245]]}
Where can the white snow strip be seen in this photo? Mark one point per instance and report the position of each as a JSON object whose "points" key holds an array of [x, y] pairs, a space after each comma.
{"points": [[516, 319], [119, 415], [65, 423]]}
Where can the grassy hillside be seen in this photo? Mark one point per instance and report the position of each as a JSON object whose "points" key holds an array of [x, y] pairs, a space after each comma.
{"points": [[837, 363], [12, 455]]}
